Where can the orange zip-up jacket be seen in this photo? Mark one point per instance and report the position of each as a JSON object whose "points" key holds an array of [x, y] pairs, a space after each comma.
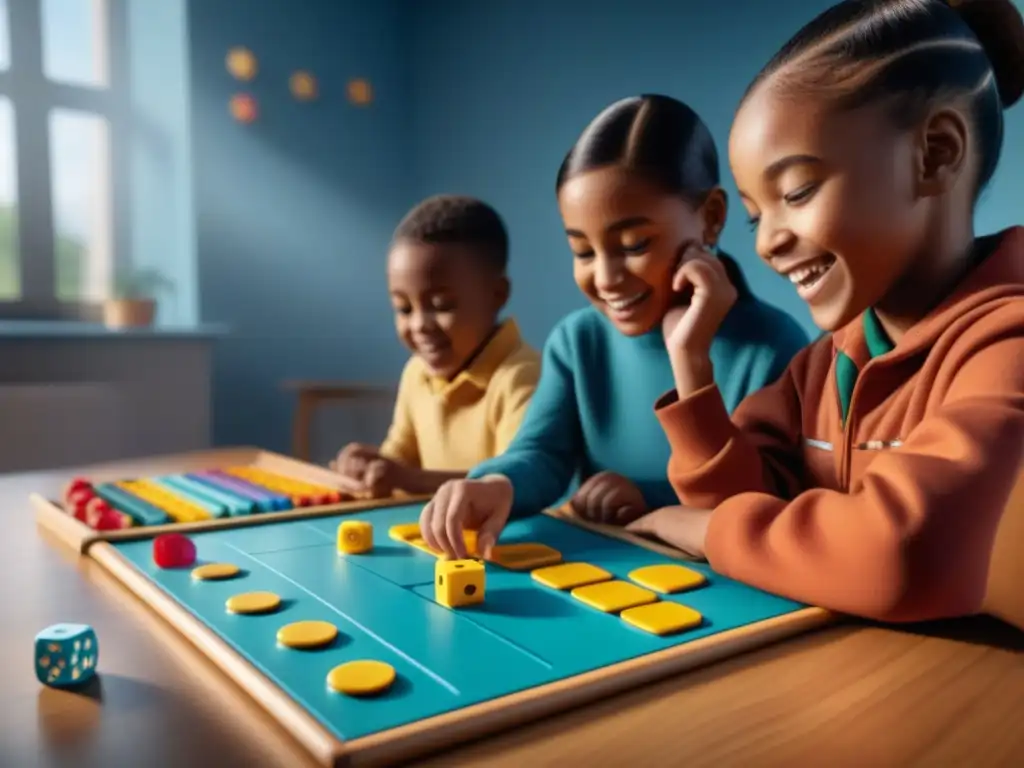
{"points": [[892, 512]]}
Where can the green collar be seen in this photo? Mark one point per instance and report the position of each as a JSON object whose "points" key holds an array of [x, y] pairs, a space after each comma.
{"points": [[877, 342], [875, 337]]}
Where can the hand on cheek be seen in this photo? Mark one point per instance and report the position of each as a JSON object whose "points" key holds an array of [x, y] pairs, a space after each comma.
{"points": [[690, 327]]}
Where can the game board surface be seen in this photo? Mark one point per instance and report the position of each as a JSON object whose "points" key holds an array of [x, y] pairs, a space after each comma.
{"points": [[382, 602]]}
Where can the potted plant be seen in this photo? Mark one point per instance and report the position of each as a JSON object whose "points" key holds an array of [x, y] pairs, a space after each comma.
{"points": [[133, 304]]}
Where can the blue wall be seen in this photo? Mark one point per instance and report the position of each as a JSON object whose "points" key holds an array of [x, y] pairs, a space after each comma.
{"points": [[502, 89], [475, 97], [294, 211]]}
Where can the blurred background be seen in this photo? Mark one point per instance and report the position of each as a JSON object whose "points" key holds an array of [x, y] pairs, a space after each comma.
{"points": [[243, 163]]}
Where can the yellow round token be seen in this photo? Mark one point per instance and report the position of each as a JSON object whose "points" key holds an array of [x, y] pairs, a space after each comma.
{"points": [[361, 678], [213, 571], [307, 634], [253, 602]]}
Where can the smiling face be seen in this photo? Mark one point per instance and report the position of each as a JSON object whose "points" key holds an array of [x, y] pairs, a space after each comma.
{"points": [[627, 236], [834, 197], [446, 302]]}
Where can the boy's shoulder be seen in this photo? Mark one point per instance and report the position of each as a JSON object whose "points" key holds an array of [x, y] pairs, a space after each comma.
{"points": [[519, 367]]}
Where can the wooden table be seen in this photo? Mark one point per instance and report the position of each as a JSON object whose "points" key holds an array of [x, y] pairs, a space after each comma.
{"points": [[947, 694]]}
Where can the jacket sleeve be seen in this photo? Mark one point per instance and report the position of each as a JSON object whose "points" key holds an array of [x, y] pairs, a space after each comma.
{"points": [[541, 460], [757, 450], [912, 540]]}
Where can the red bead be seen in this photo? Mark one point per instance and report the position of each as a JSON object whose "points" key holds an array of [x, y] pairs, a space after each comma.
{"points": [[77, 484], [173, 550], [82, 494], [93, 509], [77, 503], [109, 520]]}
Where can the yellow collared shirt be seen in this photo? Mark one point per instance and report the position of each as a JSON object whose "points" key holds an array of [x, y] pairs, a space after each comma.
{"points": [[454, 425]]}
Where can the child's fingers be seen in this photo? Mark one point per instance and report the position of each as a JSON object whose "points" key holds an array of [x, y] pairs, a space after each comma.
{"points": [[453, 527], [490, 529], [627, 513], [611, 501], [582, 500], [357, 449], [453, 513], [434, 508], [375, 478], [455, 538], [642, 525], [698, 273]]}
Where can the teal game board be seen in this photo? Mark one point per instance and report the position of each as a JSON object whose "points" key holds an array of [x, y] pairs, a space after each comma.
{"points": [[527, 650]]}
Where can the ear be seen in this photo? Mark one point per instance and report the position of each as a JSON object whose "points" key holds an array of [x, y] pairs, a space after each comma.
{"points": [[942, 151], [713, 211], [502, 292]]}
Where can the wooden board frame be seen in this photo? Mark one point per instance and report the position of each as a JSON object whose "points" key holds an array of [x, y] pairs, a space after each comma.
{"points": [[76, 534], [432, 734]]}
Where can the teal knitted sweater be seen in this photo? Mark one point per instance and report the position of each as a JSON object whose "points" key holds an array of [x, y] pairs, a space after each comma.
{"points": [[593, 409]]}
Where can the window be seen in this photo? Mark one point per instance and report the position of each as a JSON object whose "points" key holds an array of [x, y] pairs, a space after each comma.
{"points": [[64, 108]]}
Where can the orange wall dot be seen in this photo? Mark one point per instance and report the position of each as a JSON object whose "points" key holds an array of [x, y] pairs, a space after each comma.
{"points": [[241, 63], [243, 108], [360, 91], [303, 86]]}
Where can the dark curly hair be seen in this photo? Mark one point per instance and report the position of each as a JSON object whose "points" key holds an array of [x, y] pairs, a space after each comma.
{"points": [[458, 219]]}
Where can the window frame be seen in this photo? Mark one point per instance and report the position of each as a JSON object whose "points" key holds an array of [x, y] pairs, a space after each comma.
{"points": [[33, 97]]}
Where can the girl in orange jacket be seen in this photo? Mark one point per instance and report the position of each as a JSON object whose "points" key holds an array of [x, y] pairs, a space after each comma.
{"points": [[871, 478]]}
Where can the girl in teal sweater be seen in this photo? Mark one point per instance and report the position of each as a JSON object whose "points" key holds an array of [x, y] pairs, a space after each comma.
{"points": [[639, 196]]}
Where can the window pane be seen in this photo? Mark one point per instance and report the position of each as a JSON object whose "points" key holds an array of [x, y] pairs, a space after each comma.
{"points": [[10, 268], [5, 37], [75, 41], [80, 161]]}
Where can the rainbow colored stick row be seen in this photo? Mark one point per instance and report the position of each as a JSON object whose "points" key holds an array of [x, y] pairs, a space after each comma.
{"points": [[197, 496]]}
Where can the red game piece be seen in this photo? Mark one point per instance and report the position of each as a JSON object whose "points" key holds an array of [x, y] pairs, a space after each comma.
{"points": [[77, 502], [94, 509], [172, 550], [77, 484], [110, 519]]}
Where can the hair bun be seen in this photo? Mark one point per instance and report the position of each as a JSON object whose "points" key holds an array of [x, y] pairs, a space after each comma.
{"points": [[999, 27]]}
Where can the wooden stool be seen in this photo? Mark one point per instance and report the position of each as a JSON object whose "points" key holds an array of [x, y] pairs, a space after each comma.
{"points": [[313, 394]]}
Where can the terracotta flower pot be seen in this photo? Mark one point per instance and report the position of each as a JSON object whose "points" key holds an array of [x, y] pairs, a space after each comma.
{"points": [[129, 313]]}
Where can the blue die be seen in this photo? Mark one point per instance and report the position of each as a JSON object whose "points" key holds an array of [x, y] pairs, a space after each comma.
{"points": [[66, 654]]}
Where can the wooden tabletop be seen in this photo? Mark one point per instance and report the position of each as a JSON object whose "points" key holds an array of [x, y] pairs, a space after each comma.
{"points": [[945, 694]]}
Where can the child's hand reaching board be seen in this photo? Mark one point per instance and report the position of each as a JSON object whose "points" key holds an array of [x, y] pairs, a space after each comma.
{"points": [[482, 505]]}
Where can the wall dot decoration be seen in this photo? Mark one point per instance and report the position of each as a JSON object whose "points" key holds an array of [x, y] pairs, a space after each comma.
{"points": [[303, 86], [243, 108], [360, 92], [241, 64]]}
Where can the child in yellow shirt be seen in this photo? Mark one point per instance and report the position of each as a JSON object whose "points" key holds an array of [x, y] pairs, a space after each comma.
{"points": [[463, 392]]}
